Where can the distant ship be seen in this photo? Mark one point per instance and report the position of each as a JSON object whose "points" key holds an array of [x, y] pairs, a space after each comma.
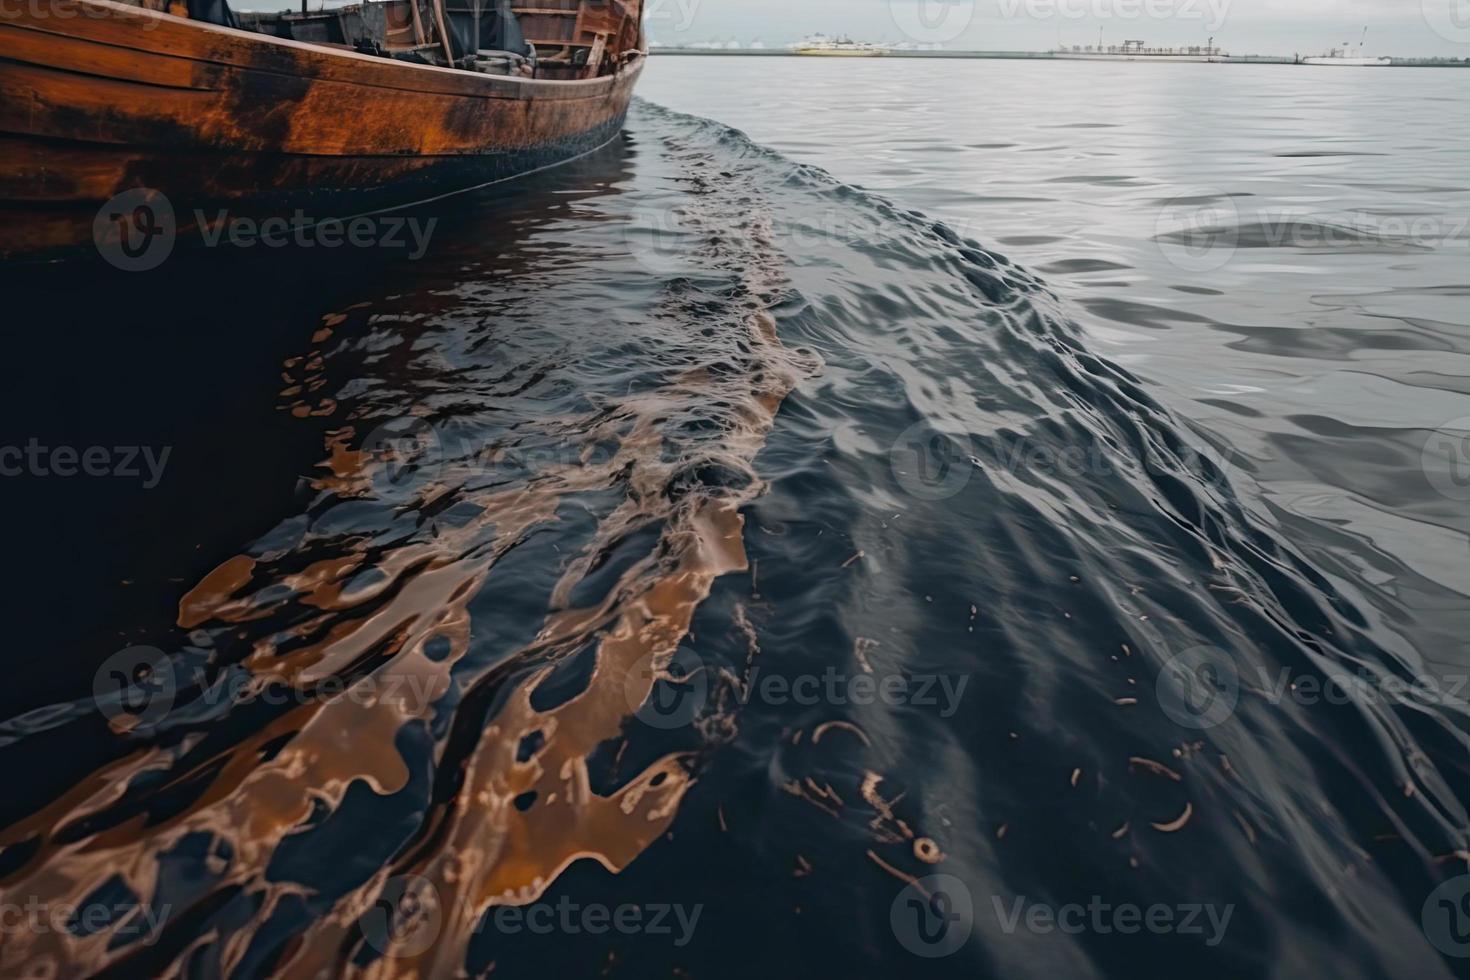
{"points": [[1139, 51], [823, 46], [1344, 58]]}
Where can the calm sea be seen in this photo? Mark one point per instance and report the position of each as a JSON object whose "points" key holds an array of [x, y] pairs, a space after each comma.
{"points": [[967, 519]]}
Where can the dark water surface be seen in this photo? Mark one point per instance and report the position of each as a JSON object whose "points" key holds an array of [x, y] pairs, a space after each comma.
{"points": [[697, 538]]}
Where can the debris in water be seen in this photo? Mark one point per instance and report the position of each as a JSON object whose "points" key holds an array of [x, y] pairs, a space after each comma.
{"points": [[1178, 823]]}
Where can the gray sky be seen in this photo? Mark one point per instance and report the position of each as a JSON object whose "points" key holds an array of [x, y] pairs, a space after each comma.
{"points": [[1396, 27]]}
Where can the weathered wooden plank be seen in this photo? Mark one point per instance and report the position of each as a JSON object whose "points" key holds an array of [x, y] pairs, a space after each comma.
{"points": [[95, 105], [153, 33]]}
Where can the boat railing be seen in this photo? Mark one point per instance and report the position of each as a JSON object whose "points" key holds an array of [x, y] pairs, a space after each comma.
{"points": [[580, 38], [554, 39]]}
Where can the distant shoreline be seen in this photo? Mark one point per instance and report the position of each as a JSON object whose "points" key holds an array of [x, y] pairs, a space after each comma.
{"points": [[1247, 59]]}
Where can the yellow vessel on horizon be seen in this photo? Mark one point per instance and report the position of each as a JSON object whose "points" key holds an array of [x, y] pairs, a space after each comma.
{"points": [[819, 45]]}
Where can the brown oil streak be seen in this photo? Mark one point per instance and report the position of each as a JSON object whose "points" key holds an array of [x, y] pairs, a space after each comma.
{"points": [[480, 849]]}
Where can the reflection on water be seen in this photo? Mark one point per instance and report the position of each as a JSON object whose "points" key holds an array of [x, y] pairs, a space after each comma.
{"points": [[694, 535], [1283, 253]]}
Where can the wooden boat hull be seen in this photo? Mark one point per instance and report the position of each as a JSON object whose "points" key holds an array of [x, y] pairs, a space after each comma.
{"points": [[98, 98]]}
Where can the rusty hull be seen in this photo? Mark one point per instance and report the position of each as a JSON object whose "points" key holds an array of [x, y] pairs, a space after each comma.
{"points": [[97, 98]]}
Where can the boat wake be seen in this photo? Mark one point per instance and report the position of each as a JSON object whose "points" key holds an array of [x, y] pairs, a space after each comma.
{"points": [[590, 480]]}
